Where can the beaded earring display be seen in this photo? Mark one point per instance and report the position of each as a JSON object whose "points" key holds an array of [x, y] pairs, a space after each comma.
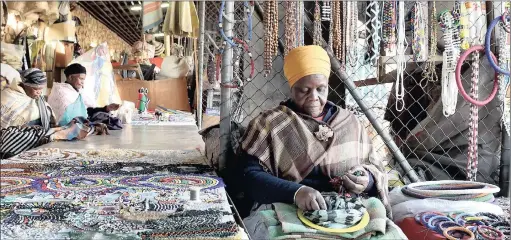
{"points": [[271, 34]]}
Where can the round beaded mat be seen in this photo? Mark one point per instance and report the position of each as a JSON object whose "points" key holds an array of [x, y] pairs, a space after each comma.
{"points": [[50, 155], [15, 185], [183, 181]]}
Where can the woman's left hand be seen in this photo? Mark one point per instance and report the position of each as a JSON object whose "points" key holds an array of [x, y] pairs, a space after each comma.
{"points": [[356, 180]]}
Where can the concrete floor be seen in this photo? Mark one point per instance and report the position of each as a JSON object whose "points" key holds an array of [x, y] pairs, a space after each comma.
{"points": [[140, 137]]}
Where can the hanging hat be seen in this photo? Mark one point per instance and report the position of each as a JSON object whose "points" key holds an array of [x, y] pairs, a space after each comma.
{"points": [[75, 68], [304, 61], [159, 48], [34, 77]]}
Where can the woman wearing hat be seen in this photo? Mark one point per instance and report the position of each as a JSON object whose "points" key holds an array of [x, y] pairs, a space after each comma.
{"points": [[27, 121], [294, 151]]}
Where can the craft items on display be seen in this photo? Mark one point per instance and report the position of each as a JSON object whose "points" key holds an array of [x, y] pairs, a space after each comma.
{"points": [[459, 225], [429, 72], [419, 38], [94, 193], [504, 48], [402, 44], [374, 14], [143, 100], [450, 58], [271, 34], [452, 190]]}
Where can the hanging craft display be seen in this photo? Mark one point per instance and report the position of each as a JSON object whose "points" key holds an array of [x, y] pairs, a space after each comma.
{"points": [[290, 26], [389, 27], [402, 44], [429, 72], [317, 25], [326, 11], [451, 190], [504, 49], [450, 57], [419, 38], [352, 38], [373, 13], [271, 34]]}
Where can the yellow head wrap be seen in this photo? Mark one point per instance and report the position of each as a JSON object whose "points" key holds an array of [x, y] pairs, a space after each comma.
{"points": [[304, 61]]}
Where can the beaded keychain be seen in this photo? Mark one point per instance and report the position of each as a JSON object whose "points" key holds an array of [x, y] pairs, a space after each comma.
{"points": [[402, 45], [429, 73], [271, 34], [450, 58]]}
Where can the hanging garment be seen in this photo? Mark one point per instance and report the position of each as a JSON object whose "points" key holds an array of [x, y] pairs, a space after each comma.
{"points": [[153, 15], [181, 20]]}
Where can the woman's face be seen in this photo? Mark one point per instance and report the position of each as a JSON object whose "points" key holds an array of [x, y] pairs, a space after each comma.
{"points": [[310, 94], [77, 80], [33, 92]]}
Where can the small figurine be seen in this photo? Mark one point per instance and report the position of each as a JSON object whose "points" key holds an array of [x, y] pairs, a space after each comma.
{"points": [[143, 100]]}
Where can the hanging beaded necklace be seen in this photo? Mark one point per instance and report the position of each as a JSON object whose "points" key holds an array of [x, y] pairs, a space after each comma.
{"points": [[419, 28], [389, 27], [429, 73], [326, 11], [335, 29], [373, 12], [317, 25], [450, 58], [402, 44], [352, 28], [271, 34], [474, 121], [344, 32], [290, 26]]}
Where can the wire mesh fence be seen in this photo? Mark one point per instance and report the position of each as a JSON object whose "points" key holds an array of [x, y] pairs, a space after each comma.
{"points": [[428, 121]]}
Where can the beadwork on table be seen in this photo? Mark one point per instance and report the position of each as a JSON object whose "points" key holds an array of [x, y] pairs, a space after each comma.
{"points": [[88, 193], [53, 155]]}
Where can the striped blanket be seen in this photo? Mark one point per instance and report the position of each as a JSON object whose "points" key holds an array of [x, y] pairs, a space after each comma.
{"points": [[289, 145], [18, 109], [153, 15]]}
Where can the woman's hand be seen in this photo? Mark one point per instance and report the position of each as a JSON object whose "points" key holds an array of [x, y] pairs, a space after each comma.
{"points": [[356, 180], [308, 198]]}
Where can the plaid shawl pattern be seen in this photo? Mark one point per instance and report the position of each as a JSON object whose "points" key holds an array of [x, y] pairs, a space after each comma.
{"points": [[285, 144]]}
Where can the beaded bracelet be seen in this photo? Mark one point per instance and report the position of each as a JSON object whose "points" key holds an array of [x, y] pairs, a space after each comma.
{"points": [[434, 223], [447, 233], [426, 217], [490, 217], [503, 226], [444, 225], [460, 219], [418, 216], [487, 232]]}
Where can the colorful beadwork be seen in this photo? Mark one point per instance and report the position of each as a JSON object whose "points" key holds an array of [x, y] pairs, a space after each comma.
{"points": [[15, 185]]}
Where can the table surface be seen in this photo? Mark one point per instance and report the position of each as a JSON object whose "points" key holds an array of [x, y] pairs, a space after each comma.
{"points": [[147, 137]]}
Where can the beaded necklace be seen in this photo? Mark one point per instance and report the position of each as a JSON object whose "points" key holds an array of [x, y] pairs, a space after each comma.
{"points": [[344, 32], [402, 44], [389, 27], [290, 26], [326, 11], [317, 25], [335, 29], [450, 58], [419, 28], [373, 12], [352, 13], [271, 34], [474, 121], [429, 73]]}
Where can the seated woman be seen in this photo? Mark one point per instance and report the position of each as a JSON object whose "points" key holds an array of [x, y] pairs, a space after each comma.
{"points": [[24, 111], [293, 151]]}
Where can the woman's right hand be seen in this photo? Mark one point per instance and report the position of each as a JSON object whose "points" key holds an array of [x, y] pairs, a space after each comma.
{"points": [[308, 199]]}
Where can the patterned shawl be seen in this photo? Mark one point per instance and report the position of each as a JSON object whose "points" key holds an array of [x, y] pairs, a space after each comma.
{"points": [[18, 109], [286, 146], [61, 96]]}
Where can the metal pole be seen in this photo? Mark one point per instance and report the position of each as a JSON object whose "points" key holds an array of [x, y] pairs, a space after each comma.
{"points": [[227, 73], [336, 67], [202, 23]]}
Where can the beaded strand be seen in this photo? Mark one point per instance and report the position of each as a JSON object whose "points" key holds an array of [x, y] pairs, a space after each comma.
{"points": [[373, 13], [389, 27], [430, 69], [474, 121], [419, 28], [290, 26], [271, 34], [450, 58], [352, 15], [317, 24]]}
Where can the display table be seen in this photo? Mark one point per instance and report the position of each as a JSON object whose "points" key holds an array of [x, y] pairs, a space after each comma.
{"points": [[119, 186]]}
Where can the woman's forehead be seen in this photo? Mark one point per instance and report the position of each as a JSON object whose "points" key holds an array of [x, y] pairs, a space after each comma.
{"points": [[313, 79]]}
